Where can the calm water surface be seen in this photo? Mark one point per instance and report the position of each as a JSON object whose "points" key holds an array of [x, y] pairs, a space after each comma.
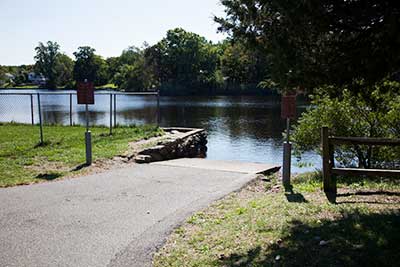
{"points": [[240, 128]]}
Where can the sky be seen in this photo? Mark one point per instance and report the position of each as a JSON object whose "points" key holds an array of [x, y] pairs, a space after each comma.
{"points": [[109, 26]]}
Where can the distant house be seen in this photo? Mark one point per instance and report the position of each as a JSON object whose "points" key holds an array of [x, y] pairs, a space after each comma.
{"points": [[38, 79], [9, 76], [6, 78]]}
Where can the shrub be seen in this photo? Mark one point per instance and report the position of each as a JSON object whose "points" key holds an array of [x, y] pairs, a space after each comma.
{"points": [[376, 114]]}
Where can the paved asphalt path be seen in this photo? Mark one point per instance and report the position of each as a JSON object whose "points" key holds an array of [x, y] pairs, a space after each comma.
{"points": [[117, 218]]}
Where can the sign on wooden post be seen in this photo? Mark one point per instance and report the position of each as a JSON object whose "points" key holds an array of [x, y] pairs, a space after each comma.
{"points": [[288, 109], [85, 93]]}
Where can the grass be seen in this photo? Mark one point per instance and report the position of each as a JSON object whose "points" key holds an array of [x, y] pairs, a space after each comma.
{"points": [[24, 161], [20, 86], [107, 86], [263, 225]]}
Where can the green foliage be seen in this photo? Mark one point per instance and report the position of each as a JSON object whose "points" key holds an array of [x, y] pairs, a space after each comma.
{"points": [[353, 115], [2, 76], [133, 72], [46, 62], [55, 66], [242, 66], [184, 61], [312, 43], [89, 66], [64, 70]]}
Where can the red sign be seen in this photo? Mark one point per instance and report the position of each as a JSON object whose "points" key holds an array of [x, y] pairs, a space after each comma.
{"points": [[288, 108], [85, 93]]}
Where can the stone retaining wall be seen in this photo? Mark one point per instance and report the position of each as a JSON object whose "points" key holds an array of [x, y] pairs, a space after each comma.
{"points": [[179, 143]]}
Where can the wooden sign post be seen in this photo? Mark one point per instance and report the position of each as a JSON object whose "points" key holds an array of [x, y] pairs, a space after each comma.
{"points": [[85, 95], [288, 111]]}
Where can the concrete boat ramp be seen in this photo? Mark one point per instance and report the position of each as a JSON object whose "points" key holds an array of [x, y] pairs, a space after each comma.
{"points": [[115, 218], [222, 165]]}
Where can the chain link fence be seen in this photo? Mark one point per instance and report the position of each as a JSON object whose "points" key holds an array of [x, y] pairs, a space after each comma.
{"points": [[53, 108]]}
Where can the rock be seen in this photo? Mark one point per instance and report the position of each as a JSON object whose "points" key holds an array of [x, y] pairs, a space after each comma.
{"points": [[191, 144], [143, 159]]}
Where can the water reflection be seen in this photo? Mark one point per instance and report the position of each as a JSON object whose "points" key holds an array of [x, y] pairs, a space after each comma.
{"points": [[240, 128]]}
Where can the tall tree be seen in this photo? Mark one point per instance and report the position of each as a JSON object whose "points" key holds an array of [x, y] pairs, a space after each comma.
{"points": [[2, 76], [184, 62], [242, 66], [64, 69], [320, 42], [134, 73], [89, 66], [46, 62]]}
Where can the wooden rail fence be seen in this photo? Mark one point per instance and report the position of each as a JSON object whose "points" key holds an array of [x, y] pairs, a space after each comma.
{"points": [[328, 161]]}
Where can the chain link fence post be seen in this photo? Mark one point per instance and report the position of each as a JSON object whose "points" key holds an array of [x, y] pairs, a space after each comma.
{"points": [[115, 110], [40, 119], [158, 109], [70, 110], [32, 114], [111, 115]]}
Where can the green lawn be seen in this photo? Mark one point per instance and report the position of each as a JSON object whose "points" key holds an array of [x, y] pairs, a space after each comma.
{"points": [[23, 161], [264, 226]]}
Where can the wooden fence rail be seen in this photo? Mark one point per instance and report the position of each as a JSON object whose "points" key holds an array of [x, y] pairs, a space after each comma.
{"points": [[328, 161]]}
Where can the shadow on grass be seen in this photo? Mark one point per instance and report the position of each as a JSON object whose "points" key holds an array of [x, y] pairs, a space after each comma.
{"points": [[292, 196], [48, 176], [40, 144], [355, 240], [369, 193], [80, 167]]}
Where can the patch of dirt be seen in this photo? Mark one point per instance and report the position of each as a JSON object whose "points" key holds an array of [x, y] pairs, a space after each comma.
{"points": [[45, 166]]}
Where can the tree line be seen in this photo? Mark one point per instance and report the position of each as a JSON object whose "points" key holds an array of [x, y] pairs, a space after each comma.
{"points": [[182, 63]]}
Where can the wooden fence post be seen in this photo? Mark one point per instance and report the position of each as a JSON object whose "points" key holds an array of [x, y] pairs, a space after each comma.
{"points": [[327, 164]]}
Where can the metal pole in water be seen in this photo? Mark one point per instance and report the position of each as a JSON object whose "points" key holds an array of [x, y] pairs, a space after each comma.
{"points": [[287, 153], [32, 114], [40, 119], [88, 139]]}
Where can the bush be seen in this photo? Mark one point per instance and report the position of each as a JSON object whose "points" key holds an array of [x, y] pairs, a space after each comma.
{"points": [[376, 114]]}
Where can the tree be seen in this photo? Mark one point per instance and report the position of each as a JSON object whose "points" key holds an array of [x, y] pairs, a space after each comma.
{"points": [[135, 74], [89, 66], [64, 70], [352, 115], [184, 62], [46, 62], [2, 76], [310, 43], [241, 66]]}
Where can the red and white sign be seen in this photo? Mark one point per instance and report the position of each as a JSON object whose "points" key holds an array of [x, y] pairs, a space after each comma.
{"points": [[85, 93], [288, 109]]}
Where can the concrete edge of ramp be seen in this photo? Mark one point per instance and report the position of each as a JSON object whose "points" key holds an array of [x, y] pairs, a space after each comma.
{"points": [[222, 165]]}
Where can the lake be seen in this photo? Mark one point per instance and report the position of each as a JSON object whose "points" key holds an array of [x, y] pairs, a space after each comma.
{"points": [[246, 128]]}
